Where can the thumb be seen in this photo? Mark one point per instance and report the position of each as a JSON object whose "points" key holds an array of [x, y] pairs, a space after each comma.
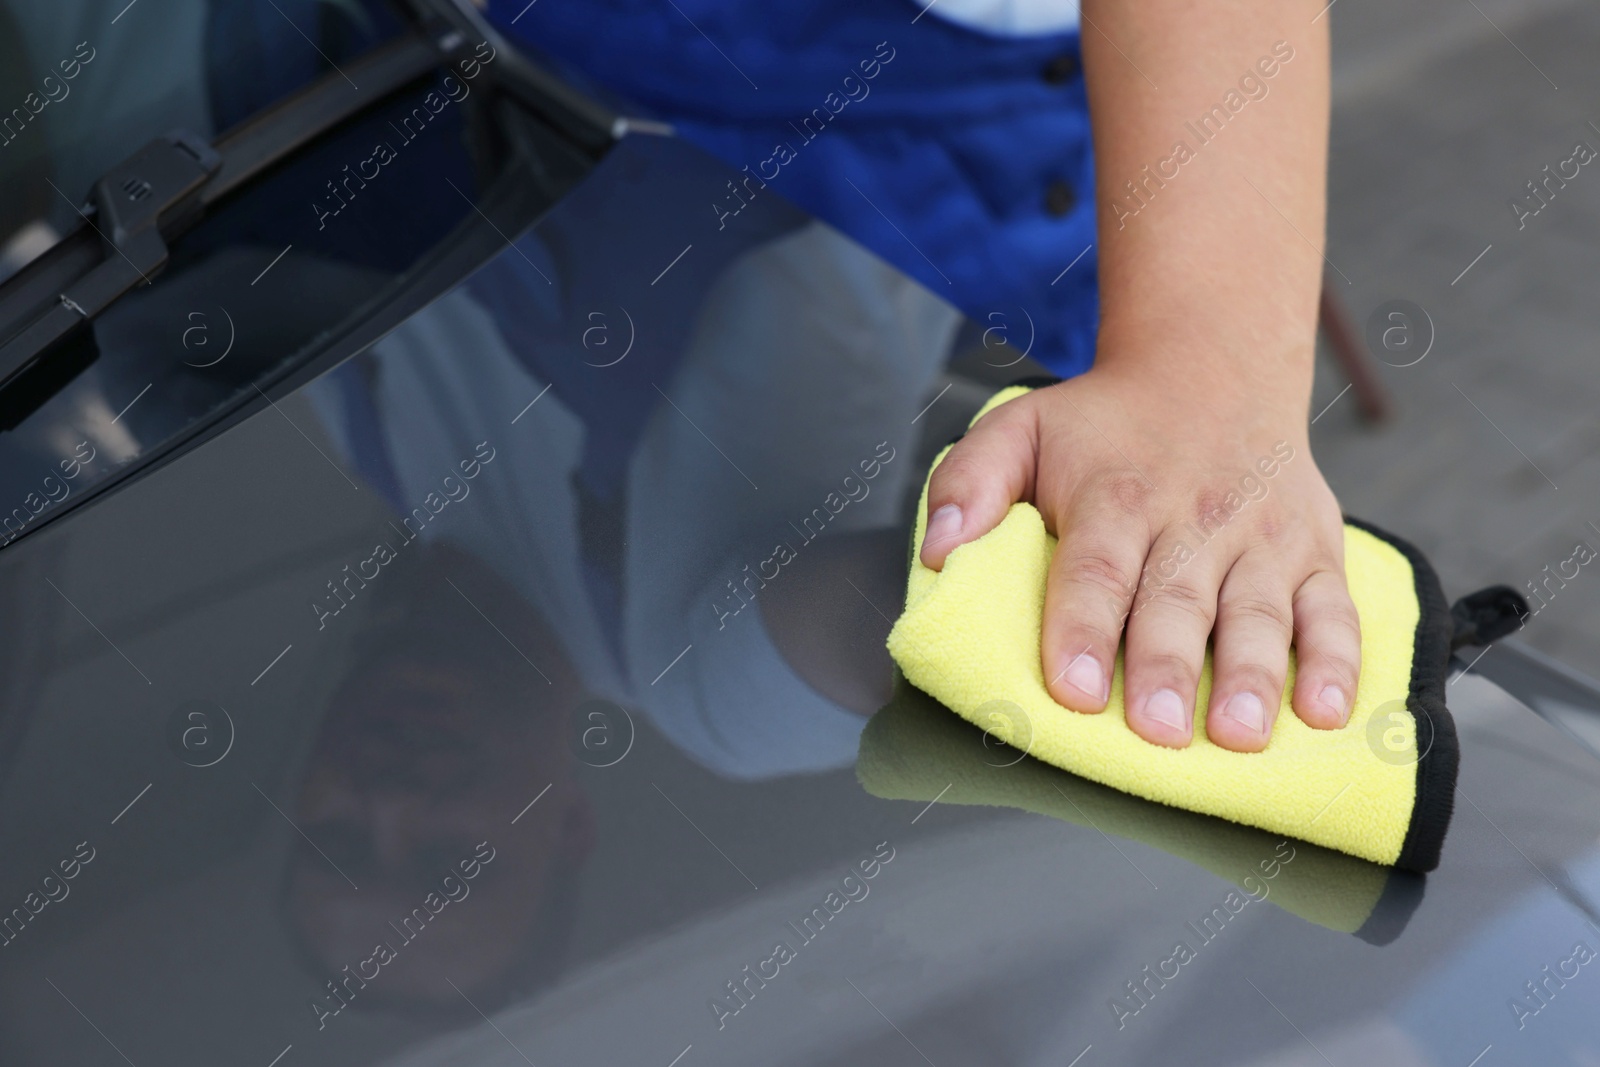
{"points": [[982, 475]]}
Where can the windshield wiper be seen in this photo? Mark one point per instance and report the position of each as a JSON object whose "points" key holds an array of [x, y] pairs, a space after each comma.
{"points": [[140, 206], [130, 204]]}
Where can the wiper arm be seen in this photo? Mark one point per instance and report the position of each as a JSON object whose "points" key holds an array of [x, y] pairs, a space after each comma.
{"points": [[152, 191], [141, 205], [272, 134]]}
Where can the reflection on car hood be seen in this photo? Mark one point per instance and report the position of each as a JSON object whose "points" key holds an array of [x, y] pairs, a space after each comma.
{"points": [[462, 707]]}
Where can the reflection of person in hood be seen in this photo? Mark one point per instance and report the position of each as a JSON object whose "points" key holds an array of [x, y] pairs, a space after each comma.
{"points": [[780, 689], [439, 734], [999, 149]]}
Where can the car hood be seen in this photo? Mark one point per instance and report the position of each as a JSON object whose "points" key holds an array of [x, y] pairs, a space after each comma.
{"points": [[479, 648]]}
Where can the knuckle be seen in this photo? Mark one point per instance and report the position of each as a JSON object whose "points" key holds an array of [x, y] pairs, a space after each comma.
{"points": [[1331, 618], [1343, 670], [1083, 633], [1327, 555], [1124, 493], [1101, 572], [1182, 597], [960, 468], [1339, 626], [1259, 609], [1210, 506], [1012, 426], [1335, 648], [1261, 678], [1270, 528], [1170, 667], [1006, 425]]}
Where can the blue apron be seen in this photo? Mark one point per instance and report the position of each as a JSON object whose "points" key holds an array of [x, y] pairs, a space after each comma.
{"points": [[964, 159]]}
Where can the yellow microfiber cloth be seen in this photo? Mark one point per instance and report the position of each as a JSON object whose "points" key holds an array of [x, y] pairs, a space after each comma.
{"points": [[914, 749], [1381, 788]]}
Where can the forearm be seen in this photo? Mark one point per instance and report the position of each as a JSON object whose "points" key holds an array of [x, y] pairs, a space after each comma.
{"points": [[1210, 235], [1210, 217]]}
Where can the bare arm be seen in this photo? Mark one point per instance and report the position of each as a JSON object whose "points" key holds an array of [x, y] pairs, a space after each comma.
{"points": [[1226, 251], [1177, 472]]}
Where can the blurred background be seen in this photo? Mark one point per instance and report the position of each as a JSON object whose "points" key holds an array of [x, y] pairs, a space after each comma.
{"points": [[1443, 111]]}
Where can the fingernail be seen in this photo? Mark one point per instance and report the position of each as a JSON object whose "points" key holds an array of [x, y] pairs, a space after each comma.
{"points": [[943, 525], [1165, 706], [1247, 710], [1333, 697], [1085, 675]]}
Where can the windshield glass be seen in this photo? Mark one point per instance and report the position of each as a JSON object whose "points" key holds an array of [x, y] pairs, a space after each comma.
{"points": [[481, 661], [516, 692], [85, 83], [309, 260]]}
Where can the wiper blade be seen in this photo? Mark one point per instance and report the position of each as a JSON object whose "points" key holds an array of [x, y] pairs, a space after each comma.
{"points": [[141, 205], [131, 201], [270, 135]]}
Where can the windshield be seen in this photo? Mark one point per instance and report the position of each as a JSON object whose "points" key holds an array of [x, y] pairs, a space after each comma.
{"points": [[326, 231], [516, 692], [83, 84]]}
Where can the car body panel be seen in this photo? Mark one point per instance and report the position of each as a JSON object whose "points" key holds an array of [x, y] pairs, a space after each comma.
{"points": [[278, 742]]}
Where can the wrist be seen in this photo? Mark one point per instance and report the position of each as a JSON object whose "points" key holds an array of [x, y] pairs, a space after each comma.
{"points": [[1263, 376]]}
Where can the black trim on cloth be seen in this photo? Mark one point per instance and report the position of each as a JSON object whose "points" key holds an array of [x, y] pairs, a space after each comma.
{"points": [[1430, 659]]}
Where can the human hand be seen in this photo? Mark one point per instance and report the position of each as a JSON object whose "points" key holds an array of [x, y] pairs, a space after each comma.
{"points": [[1182, 514]]}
